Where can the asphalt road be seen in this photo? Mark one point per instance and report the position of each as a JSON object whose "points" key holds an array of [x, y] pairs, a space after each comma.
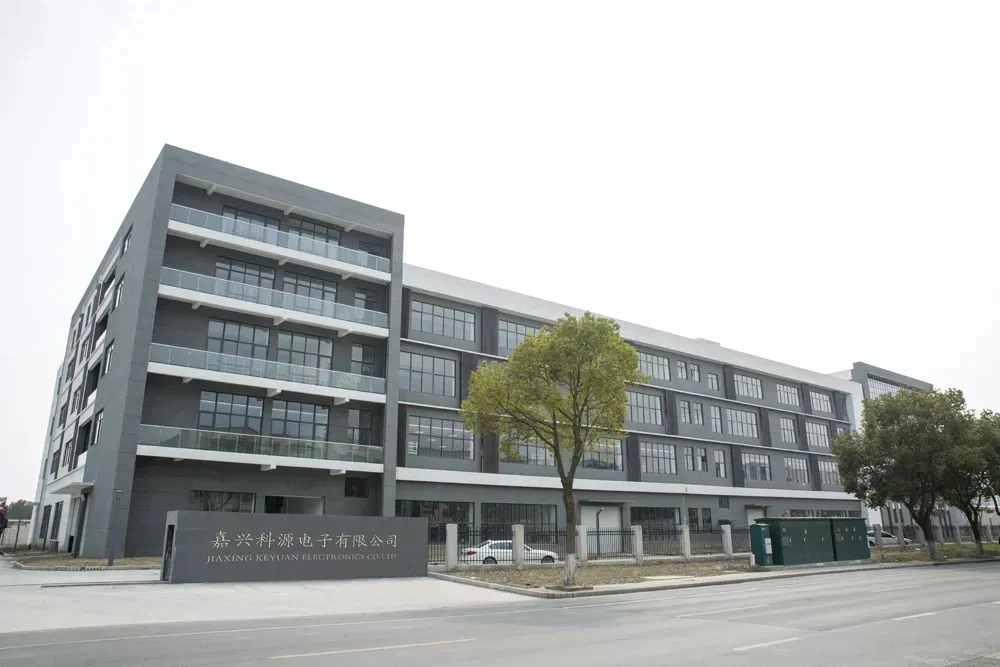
{"points": [[921, 616]]}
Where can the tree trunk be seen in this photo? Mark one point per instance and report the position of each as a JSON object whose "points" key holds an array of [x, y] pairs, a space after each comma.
{"points": [[977, 535], [569, 571], [928, 528]]}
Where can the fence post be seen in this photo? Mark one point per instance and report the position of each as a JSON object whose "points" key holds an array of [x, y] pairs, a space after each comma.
{"points": [[451, 546], [900, 536], [958, 534], [727, 539], [517, 545], [686, 541], [936, 529], [581, 543], [877, 532], [637, 544]]}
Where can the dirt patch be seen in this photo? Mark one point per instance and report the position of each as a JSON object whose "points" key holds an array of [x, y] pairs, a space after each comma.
{"points": [[603, 575], [920, 553], [66, 561]]}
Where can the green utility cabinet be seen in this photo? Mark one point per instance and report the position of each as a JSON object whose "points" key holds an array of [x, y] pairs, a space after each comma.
{"points": [[799, 541], [760, 544], [850, 539]]}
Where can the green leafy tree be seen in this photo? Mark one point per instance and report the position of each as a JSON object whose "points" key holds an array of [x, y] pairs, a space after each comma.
{"points": [[967, 481], [19, 509], [901, 452], [562, 388], [988, 430]]}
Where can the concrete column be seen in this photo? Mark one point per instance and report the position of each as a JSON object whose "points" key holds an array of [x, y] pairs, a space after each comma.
{"points": [[581, 543], [637, 544], [727, 539], [686, 540], [451, 546], [878, 535], [958, 534], [901, 537], [517, 545], [937, 532]]}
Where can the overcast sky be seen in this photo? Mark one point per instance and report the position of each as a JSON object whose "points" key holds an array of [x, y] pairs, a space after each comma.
{"points": [[815, 183]]}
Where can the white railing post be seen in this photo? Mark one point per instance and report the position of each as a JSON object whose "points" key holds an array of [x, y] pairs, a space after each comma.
{"points": [[581, 543], [878, 535], [727, 539], [517, 545], [451, 546], [637, 544], [686, 541]]}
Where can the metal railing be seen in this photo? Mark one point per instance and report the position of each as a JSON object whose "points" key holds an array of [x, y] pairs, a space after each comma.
{"points": [[706, 542], [266, 445], [613, 544], [485, 546], [658, 541], [741, 540], [198, 282], [278, 238], [261, 368]]}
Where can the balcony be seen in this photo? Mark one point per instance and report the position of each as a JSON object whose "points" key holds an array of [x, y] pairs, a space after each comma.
{"points": [[271, 375], [198, 290], [238, 235], [268, 451]]}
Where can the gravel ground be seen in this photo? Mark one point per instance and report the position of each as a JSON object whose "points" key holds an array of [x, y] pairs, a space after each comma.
{"points": [[599, 575]]}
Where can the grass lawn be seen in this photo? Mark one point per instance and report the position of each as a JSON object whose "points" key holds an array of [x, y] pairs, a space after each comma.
{"points": [[68, 561], [600, 575]]}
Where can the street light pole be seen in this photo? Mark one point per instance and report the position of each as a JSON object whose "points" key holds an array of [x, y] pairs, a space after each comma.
{"points": [[114, 518]]}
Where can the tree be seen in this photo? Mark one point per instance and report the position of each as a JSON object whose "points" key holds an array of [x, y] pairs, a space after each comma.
{"points": [[19, 509], [562, 388], [901, 452], [967, 481], [988, 430]]}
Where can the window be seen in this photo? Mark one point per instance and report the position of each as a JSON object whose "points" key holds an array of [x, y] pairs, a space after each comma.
{"points": [[305, 350], [757, 467], [788, 394], [359, 427], [98, 420], [788, 431], [742, 423], [689, 458], [363, 359], [817, 435], [423, 373], [748, 386], [713, 381], [236, 338], [118, 293], [365, 298], [54, 467], [706, 519], [68, 452], [307, 286], [720, 463], [830, 475], [644, 408], [657, 522], [303, 421], [697, 414], [220, 501], [248, 217], [529, 454], [539, 521], [802, 514], [355, 487], [442, 321], [820, 402], [230, 412], [723, 502], [108, 353], [700, 459], [63, 414], [513, 334], [313, 230], [716, 415], [606, 455], [440, 438], [657, 458], [796, 470], [372, 248], [685, 412], [125, 241], [682, 370], [655, 366], [44, 523], [56, 517], [878, 388], [436, 511], [695, 372], [693, 518], [246, 273]]}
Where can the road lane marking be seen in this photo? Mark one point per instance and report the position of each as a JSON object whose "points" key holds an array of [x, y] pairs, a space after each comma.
{"points": [[719, 611], [997, 602], [659, 599], [894, 588], [903, 618], [374, 648], [774, 643]]}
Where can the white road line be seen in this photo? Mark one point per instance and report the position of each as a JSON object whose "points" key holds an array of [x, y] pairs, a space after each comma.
{"points": [[774, 643], [894, 588], [719, 611], [997, 602], [659, 599], [926, 613]]}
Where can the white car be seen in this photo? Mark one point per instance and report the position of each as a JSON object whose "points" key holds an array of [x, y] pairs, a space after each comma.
{"points": [[492, 552], [888, 539]]}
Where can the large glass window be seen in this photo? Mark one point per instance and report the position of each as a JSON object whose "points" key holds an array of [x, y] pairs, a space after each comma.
{"points": [[694, 371], [291, 419], [314, 230], [220, 501], [109, 352], [655, 366], [716, 415], [307, 286], [742, 423], [700, 459], [878, 388], [757, 467], [697, 413], [713, 381], [118, 292], [644, 408], [788, 394], [689, 458], [252, 218], [513, 334], [441, 438], [796, 470], [820, 402], [748, 386], [439, 514], [829, 474], [817, 435], [788, 431], [606, 455], [658, 523], [682, 370], [373, 248], [360, 430], [365, 298], [448, 322], [423, 373], [657, 458], [684, 412], [247, 273], [529, 454], [230, 412], [539, 521], [363, 359], [720, 463], [237, 338], [305, 350], [98, 421]]}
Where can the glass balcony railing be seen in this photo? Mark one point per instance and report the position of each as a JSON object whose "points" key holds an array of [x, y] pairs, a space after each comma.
{"points": [[261, 368], [277, 238], [340, 449], [268, 297]]}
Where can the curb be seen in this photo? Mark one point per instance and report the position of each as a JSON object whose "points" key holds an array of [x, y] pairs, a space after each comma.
{"points": [[555, 595], [79, 568]]}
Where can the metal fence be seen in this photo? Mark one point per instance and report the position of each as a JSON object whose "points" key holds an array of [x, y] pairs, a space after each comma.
{"points": [[609, 544], [706, 542], [661, 541], [741, 540]]}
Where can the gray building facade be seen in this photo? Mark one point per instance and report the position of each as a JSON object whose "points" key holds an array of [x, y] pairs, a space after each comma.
{"points": [[250, 344]]}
